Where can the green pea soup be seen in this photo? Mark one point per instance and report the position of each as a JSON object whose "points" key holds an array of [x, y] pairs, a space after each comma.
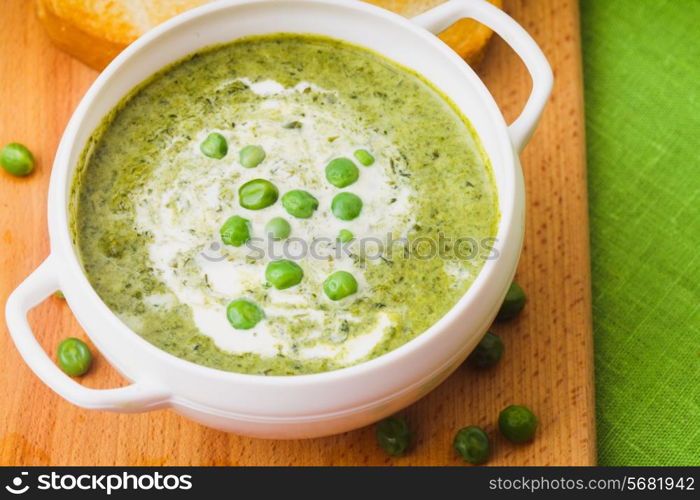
{"points": [[149, 203]]}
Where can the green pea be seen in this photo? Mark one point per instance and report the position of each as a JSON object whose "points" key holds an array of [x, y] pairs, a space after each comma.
{"points": [[235, 231], [339, 285], [251, 156], [257, 194], [74, 357], [346, 206], [278, 228], [517, 424], [341, 172], [244, 314], [488, 352], [364, 157], [284, 273], [300, 204], [16, 159], [513, 303], [472, 444], [394, 436], [214, 146], [344, 236]]}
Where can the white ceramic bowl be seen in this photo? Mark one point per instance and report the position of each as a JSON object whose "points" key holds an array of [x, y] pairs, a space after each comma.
{"points": [[306, 405]]}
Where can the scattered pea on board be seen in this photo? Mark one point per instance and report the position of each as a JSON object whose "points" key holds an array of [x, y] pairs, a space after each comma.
{"points": [[488, 352], [513, 303], [517, 423], [394, 436], [16, 159], [472, 444], [74, 357]]}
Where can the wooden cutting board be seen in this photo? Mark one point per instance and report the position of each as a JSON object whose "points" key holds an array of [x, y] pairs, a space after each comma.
{"points": [[547, 366]]}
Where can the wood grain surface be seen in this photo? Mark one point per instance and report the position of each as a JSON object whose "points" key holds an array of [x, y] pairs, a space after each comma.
{"points": [[548, 361]]}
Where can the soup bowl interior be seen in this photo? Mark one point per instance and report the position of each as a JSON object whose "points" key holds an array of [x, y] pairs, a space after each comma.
{"points": [[385, 383]]}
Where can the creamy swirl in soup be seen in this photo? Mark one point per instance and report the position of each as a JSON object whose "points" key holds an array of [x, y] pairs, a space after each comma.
{"points": [[282, 205]]}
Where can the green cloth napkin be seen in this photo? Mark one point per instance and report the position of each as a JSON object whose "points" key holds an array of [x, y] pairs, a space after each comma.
{"points": [[642, 90]]}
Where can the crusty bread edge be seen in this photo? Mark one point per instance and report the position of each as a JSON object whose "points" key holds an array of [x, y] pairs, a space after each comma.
{"points": [[94, 51], [467, 37]]}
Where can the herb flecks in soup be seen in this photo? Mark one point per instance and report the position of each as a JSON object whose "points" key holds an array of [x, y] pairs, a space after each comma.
{"points": [[231, 209]]}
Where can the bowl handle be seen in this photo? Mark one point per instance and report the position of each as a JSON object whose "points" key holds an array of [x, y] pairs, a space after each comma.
{"points": [[446, 14], [33, 290]]}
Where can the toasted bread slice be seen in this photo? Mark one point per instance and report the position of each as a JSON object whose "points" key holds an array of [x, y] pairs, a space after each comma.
{"points": [[466, 37], [95, 31]]}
